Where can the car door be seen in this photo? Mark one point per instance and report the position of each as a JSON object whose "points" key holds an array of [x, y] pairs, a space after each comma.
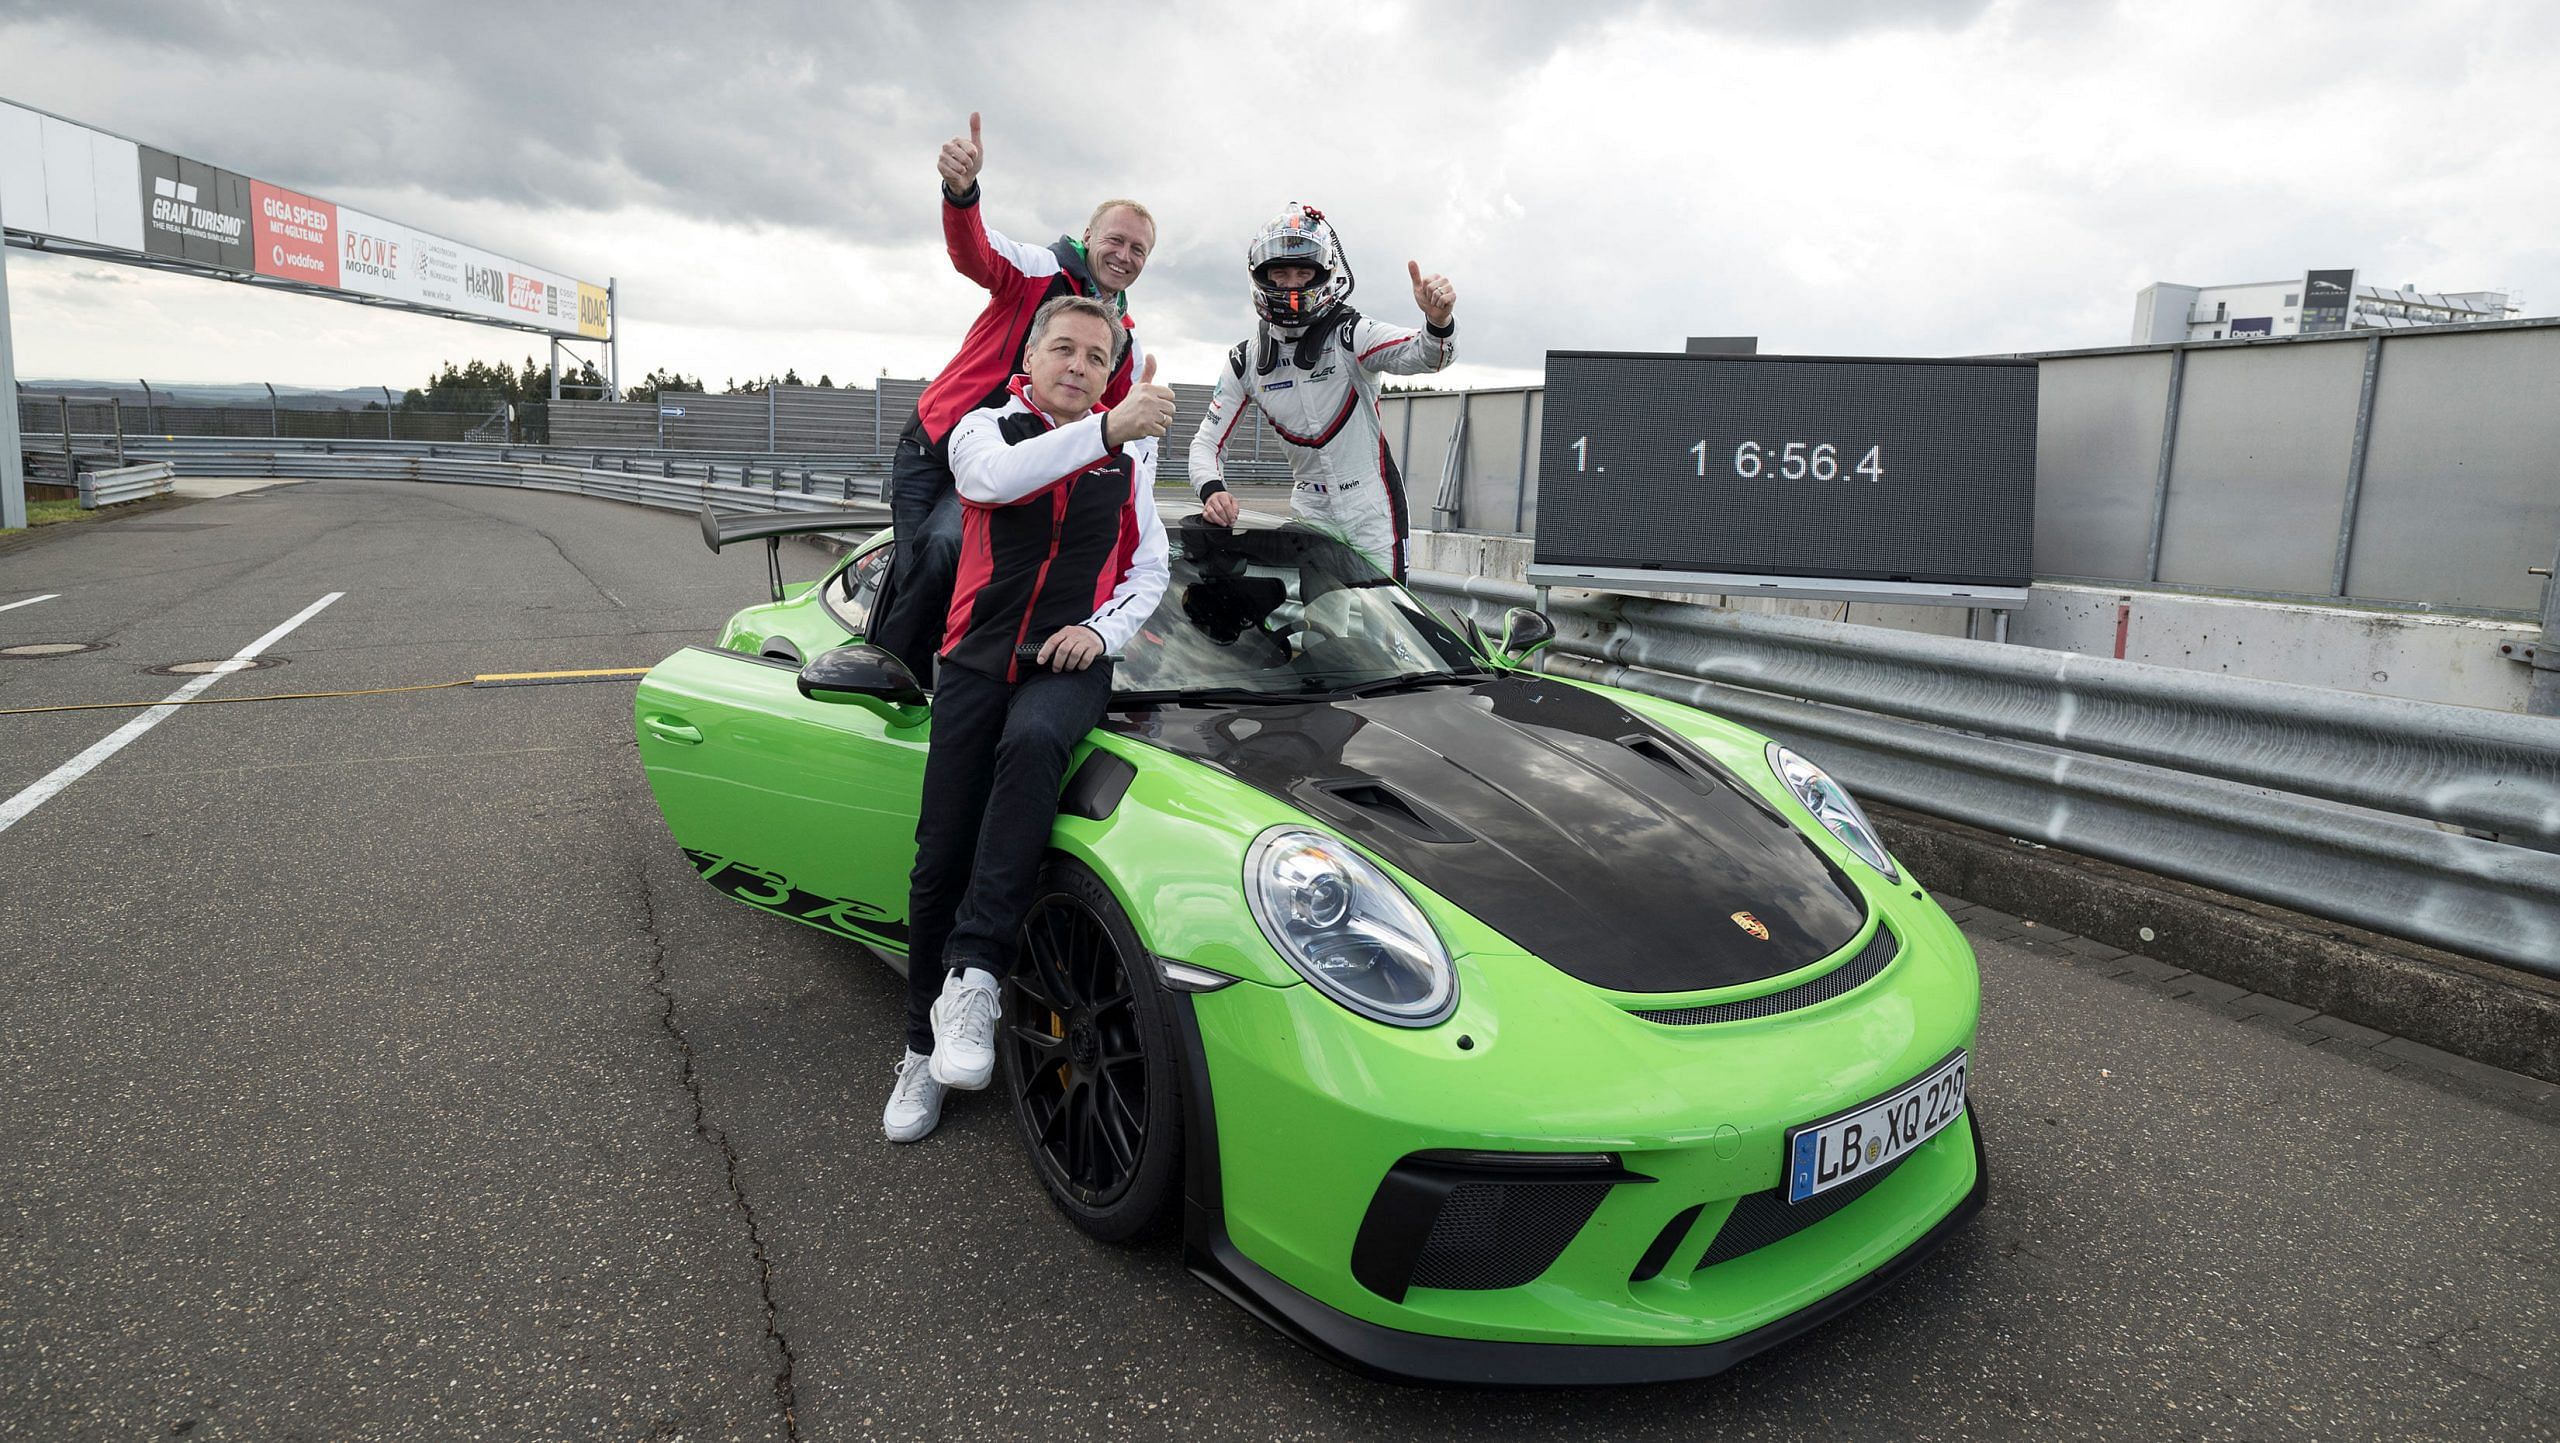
{"points": [[801, 807]]}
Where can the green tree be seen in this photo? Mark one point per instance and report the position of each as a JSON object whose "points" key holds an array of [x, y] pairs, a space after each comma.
{"points": [[663, 380]]}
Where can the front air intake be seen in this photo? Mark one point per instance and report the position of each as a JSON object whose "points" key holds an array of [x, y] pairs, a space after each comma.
{"points": [[1766, 1217], [1477, 1221]]}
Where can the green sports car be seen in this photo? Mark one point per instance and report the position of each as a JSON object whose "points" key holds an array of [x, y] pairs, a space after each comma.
{"points": [[1475, 1025]]}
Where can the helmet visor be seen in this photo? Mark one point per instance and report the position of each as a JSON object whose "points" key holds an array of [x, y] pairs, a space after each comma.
{"points": [[1286, 248]]}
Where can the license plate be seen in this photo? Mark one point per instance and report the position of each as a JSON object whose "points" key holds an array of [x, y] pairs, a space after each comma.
{"points": [[1866, 1139]]}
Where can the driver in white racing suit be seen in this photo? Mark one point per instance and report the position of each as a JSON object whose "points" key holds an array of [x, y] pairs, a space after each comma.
{"points": [[1313, 368]]}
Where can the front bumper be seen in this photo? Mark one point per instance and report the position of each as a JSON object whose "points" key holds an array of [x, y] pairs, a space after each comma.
{"points": [[1303, 1118], [1406, 1357]]}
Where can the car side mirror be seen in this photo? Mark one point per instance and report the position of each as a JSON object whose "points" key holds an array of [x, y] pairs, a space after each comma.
{"points": [[869, 677], [1524, 631]]}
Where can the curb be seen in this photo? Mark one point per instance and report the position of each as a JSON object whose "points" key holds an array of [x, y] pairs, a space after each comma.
{"points": [[51, 530], [2351, 987]]}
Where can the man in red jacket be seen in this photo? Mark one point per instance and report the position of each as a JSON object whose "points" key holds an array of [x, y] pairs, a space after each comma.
{"points": [[1062, 559], [1018, 279]]}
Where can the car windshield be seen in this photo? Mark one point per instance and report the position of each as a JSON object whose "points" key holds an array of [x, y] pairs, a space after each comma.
{"points": [[1282, 611]]}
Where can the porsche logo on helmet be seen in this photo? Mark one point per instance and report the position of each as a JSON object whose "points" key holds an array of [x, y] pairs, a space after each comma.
{"points": [[1752, 925]]}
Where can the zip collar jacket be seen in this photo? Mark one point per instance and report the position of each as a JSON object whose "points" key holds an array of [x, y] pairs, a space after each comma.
{"points": [[1057, 530], [1018, 278]]}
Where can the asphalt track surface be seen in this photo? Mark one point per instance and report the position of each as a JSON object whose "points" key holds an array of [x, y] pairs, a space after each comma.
{"points": [[376, 1068]]}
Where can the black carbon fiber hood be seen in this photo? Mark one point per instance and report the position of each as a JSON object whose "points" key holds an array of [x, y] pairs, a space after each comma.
{"points": [[1576, 828]]}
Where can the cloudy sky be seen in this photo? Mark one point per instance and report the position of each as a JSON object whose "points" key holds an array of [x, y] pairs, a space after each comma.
{"points": [[1905, 177]]}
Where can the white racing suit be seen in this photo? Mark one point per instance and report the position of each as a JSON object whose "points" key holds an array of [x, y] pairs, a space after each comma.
{"points": [[1319, 393]]}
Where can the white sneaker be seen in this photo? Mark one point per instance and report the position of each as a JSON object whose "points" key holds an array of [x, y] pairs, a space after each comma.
{"points": [[964, 1030], [915, 1104]]}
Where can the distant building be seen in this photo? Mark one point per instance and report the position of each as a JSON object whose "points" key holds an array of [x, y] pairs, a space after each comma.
{"points": [[2313, 303]]}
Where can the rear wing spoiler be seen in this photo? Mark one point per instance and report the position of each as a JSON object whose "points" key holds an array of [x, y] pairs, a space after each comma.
{"points": [[719, 530]]}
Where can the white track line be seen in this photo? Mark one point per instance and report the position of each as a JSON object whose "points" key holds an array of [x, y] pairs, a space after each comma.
{"points": [[30, 601], [16, 808]]}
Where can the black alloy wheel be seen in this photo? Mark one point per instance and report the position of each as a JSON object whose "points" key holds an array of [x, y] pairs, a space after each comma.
{"points": [[1085, 1059]]}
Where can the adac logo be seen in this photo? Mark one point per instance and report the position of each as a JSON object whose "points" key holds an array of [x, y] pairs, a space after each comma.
{"points": [[1753, 925]]}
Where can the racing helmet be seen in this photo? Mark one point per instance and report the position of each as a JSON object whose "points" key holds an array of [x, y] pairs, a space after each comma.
{"points": [[1299, 236]]}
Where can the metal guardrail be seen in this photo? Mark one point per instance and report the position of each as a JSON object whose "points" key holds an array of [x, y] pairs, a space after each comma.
{"points": [[129, 483], [2324, 802], [649, 479], [2329, 803]]}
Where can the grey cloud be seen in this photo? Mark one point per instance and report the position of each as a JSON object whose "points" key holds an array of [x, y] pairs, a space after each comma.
{"points": [[750, 114], [1826, 20], [815, 114], [822, 120]]}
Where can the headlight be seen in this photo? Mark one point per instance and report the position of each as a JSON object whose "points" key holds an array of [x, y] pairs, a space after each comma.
{"points": [[1832, 807], [1348, 929]]}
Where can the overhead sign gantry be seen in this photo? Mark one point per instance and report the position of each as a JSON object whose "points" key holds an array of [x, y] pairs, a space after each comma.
{"points": [[73, 189]]}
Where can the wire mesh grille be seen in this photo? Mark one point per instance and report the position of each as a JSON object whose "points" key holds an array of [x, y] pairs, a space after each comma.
{"points": [[1500, 1235]]}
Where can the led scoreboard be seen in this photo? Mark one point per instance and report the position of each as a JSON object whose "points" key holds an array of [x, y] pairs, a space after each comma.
{"points": [[1849, 478]]}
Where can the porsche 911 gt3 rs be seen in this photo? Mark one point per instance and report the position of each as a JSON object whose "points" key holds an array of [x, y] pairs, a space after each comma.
{"points": [[1474, 1025]]}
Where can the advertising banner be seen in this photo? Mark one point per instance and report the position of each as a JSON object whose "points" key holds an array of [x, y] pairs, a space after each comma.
{"points": [[61, 179], [370, 254], [294, 236], [64, 181], [594, 318], [2327, 297], [2253, 326], [377, 257], [194, 212]]}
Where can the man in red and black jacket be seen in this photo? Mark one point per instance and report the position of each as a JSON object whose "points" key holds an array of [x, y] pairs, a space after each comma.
{"points": [[1018, 279], [1062, 559]]}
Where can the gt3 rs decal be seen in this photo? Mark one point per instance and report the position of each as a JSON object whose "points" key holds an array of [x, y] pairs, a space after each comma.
{"points": [[773, 892]]}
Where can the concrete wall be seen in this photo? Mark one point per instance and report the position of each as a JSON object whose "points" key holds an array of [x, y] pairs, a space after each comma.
{"points": [[2427, 461]]}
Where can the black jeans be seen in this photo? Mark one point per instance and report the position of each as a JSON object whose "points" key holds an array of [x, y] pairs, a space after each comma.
{"points": [[925, 509], [991, 779]]}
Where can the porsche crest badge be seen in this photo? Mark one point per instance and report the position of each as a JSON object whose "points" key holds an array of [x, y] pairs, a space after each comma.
{"points": [[1752, 925]]}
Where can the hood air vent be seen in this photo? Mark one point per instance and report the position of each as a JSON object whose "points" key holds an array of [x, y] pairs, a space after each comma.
{"points": [[1369, 800], [1653, 749]]}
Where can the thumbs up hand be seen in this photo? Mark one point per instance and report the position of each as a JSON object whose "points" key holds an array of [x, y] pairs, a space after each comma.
{"points": [[1146, 411], [961, 159], [1437, 298]]}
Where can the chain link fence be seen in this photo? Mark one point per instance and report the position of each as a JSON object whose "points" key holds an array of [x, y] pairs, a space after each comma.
{"points": [[54, 423]]}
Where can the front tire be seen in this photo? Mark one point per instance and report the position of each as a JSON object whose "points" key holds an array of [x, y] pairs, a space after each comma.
{"points": [[1086, 1059]]}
